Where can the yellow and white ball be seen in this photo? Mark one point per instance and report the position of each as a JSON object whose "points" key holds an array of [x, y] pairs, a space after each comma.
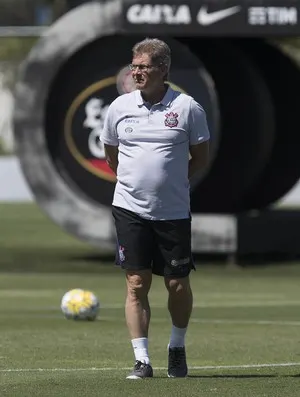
{"points": [[80, 304]]}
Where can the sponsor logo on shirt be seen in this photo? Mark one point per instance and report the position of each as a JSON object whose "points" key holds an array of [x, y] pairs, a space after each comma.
{"points": [[131, 121]]}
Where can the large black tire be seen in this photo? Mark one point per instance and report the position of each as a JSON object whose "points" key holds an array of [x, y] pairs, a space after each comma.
{"points": [[247, 127], [91, 75], [282, 172], [75, 59], [55, 197]]}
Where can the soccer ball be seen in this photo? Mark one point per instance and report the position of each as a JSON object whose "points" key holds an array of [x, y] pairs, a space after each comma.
{"points": [[80, 304]]}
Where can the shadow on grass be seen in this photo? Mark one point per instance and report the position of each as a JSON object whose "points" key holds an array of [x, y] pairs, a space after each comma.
{"points": [[243, 376], [55, 261], [98, 258], [86, 260]]}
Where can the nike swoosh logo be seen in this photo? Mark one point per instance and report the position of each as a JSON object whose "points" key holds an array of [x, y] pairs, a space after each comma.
{"points": [[204, 18]]}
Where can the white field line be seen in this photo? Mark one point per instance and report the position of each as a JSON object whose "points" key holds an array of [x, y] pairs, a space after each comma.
{"points": [[197, 368], [246, 322], [213, 300], [208, 304], [229, 304], [289, 323], [52, 293]]}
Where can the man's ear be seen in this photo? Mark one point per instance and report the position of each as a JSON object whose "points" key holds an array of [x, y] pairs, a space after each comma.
{"points": [[165, 71]]}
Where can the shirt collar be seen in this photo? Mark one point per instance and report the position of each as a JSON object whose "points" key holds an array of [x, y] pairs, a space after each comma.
{"points": [[167, 99]]}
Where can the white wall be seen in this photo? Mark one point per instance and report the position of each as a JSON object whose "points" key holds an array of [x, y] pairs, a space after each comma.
{"points": [[6, 114], [13, 187]]}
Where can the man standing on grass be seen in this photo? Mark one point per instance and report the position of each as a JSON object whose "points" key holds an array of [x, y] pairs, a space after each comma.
{"points": [[155, 139]]}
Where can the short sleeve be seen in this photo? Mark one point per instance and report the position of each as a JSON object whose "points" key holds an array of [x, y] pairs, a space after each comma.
{"points": [[198, 128], [109, 133]]}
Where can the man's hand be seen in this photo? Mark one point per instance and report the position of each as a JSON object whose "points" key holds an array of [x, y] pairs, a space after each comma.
{"points": [[198, 162], [111, 156]]}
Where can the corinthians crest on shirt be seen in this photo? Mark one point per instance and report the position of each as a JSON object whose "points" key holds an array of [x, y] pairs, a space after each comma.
{"points": [[171, 119]]}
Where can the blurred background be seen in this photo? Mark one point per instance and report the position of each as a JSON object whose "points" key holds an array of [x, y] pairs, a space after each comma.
{"points": [[62, 62], [247, 80]]}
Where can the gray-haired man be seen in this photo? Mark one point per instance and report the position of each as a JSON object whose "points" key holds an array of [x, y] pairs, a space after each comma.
{"points": [[155, 139]]}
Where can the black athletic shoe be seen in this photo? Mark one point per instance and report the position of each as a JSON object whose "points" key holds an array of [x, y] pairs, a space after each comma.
{"points": [[177, 367], [140, 371]]}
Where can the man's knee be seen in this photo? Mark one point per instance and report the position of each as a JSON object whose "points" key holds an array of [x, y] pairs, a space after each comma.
{"points": [[178, 285], [138, 283]]}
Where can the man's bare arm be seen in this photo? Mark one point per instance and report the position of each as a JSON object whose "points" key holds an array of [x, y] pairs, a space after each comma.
{"points": [[199, 159], [111, 156]]}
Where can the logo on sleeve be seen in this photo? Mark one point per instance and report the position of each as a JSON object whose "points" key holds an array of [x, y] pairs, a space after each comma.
{"points": [[171, 119], [121, 253]]}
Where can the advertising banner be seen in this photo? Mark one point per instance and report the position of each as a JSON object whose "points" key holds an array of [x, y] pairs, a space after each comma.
{"points": [[213, 18]]}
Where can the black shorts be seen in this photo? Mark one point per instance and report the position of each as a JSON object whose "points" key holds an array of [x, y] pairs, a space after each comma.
{"points": [[163, 246]]}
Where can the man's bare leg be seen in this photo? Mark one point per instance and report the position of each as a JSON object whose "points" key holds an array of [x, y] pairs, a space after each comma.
{"points": [[180, 304], [137, 311]]}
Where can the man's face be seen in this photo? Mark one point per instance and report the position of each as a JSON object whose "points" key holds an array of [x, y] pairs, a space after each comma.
{"points": [[145, 74]]}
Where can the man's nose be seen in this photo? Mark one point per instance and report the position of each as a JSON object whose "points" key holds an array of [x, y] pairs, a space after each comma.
{"points": [[136, 73]]}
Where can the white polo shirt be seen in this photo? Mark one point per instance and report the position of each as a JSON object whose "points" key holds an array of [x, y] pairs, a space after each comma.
{"points": [[153, 141]]}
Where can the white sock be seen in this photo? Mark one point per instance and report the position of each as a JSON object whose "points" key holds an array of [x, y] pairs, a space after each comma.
{"points": [[140, 349], [177, 337]]}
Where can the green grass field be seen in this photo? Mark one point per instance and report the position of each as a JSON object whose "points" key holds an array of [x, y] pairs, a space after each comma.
{"points": [[243, 340]]}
